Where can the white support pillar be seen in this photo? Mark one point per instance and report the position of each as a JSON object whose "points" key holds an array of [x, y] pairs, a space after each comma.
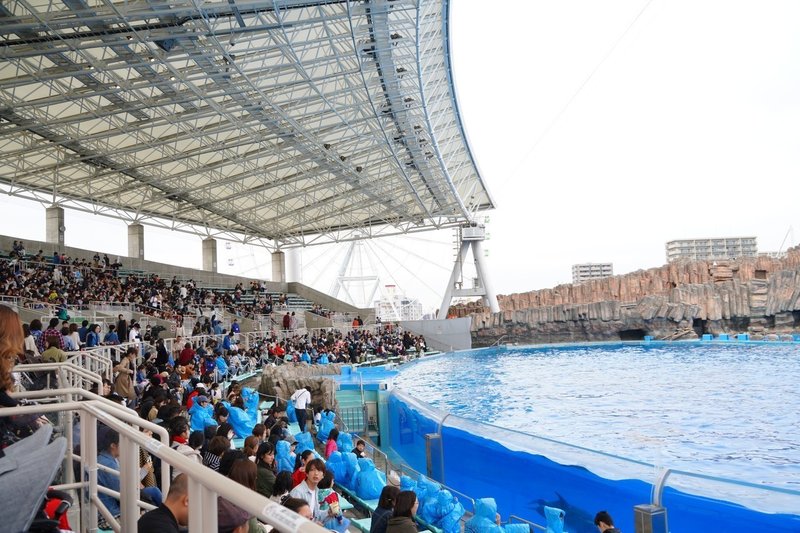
{"points": [[278, 266], [470, 237], [136, 241], [489, 297], [210, 254], [294, 260], [54, 225], [451, 285]]}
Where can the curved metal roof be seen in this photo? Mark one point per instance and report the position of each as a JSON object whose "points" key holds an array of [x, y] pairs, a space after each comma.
{"points": [[278, 123]]}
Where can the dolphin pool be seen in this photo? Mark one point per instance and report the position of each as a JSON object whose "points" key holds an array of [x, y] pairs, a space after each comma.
{"points": [[589, 427]]}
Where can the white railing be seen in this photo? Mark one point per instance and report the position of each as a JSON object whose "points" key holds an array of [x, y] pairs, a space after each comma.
{"points": [[94, 360], [69, 374], [204, 485]]}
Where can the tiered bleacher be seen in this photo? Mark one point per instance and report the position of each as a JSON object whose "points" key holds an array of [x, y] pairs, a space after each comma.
{"points": [[183, 390]]}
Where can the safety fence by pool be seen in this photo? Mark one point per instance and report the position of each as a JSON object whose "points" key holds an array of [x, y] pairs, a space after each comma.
{"points": [[524, 473]]}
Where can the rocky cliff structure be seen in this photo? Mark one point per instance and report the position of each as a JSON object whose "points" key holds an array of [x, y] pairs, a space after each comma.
{"points": [[281, 381], [760, 296]]}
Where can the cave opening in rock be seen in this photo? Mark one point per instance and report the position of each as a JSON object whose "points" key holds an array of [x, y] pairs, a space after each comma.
{"points": [[699, 326], [632, 334]]}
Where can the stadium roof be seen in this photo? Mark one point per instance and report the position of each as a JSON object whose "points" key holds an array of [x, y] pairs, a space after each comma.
{"points": [[276, 123]]}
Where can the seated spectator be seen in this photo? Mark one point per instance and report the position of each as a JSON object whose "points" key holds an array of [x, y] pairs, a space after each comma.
{"points": [[360, 449], [93, 336], [380, 518], [299, 506], [111, 338], [172, 514], [405, 508], [108, 444], [265, 461], [230, 518], [282, 487], [216, 448], [53, 354], [330, 444], [300, 468], [307, 490]]}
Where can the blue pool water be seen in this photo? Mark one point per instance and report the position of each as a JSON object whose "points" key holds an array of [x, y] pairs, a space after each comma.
{"points": [[726, 409], [721, 409]]}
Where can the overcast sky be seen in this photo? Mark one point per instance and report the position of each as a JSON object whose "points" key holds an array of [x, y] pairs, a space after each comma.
{"points": [[602, 130]]}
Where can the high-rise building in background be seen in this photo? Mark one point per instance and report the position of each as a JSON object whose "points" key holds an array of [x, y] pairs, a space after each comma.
{"points": [[711, 249], [586, 271], [393, 306]]}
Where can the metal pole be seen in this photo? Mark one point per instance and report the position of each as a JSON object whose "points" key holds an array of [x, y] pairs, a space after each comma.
{"points": [[89, 467], [129, 479]]}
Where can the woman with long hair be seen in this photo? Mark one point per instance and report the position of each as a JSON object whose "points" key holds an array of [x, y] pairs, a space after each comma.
{"points": [[265, 461], [382, 514], [330, 445], [405, 508], [12, 341]]}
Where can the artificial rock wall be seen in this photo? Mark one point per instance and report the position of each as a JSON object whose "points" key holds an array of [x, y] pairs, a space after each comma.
{"points": [[281, 381], [760, 296]]}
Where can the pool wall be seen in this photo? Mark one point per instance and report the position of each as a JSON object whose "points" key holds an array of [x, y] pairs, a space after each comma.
{"points": [[523, 473]]}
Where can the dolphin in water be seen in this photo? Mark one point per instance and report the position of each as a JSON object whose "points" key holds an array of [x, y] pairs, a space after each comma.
{"points": [[576, 520]]}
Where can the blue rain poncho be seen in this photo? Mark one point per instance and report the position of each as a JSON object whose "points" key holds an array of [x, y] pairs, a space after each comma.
{"points": [[201, 417], [345, 442], [406, 483], [448, 511], [290, 414], [483, 521], [555, 519], [351, 474], [284, 458], [369, 481], [304, 442], [243, 420], [325, 426], [338, 467]]}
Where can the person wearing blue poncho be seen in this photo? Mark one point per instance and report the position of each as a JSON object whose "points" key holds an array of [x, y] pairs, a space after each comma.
{"points": [[202, 414], [222, 366]]}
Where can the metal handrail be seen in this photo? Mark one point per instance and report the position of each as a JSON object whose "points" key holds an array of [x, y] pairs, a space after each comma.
{"points": [[532, 525], [205, 485]]}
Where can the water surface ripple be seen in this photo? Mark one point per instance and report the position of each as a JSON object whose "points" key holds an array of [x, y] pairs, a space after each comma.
{"points": [[729, 410]]}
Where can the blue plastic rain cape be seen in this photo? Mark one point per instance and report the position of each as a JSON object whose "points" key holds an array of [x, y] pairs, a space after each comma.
{"points": [[323, 360], [222, 366], [406, 483], [337, 467], [290, 414], [325, 426], [369, 482], [345, 442], [284, 457], [448, 511], [428, 506], [201, 417], [304, 357], [243, 420], [483, 521], [304, 442], [353, 469], [555, 519], [424, 488]]}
